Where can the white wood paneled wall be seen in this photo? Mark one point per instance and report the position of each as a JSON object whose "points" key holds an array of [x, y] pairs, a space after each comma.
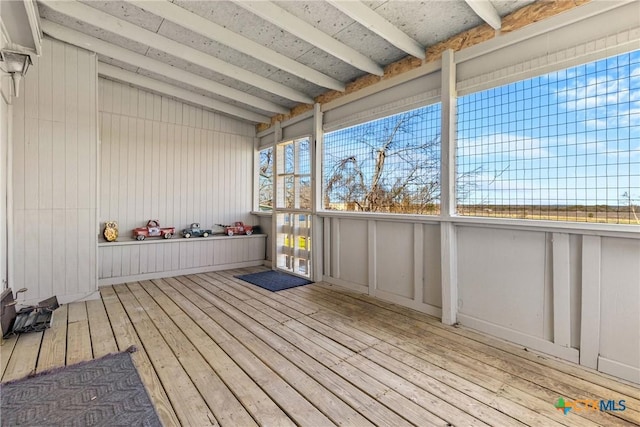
{"points": [[166, 160], [574, 295], [398, 261], [55, 175], [160, 258], [5, 95]]}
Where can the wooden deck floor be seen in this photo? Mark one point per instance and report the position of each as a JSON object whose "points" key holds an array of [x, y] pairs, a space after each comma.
{"points": [[214, 350]]}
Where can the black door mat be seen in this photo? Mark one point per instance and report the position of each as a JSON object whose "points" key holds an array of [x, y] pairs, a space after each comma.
{"points": [[101, 392], [274, 280]]}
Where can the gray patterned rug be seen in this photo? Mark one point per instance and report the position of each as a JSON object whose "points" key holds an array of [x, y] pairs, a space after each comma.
{"points": [[102, 392]]}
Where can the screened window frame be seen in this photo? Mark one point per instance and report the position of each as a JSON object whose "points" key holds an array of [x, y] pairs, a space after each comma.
{"points": [[563, 60], [559, 67], [256, 181], [426, 99]]}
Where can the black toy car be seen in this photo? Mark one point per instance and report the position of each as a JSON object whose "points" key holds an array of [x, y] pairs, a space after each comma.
{"points": [[195, 231]]}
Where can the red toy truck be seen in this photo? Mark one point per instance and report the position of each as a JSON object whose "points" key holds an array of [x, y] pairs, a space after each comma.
{"points": [[153, 230], [238, 228]]}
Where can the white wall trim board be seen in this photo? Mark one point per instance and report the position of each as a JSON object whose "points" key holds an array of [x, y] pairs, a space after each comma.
{"points": [[618, 369], [386, 109], [264, 133], [372, 254], [300, 117], [612, 230], [361, 289], [590, 313], [528, 341], [561, 290], [407, 302], [449, 273], [173, 273], [327, 245], [423, 70], [176, 239], [609, 230], [68, 299], [335, 248], [418, 264]]}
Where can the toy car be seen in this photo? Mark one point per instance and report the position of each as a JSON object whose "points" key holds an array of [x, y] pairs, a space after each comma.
{"points": [[195, 231], [153, 230], [237, 228]]}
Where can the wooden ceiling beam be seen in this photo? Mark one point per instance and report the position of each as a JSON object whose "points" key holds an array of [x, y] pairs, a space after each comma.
{"points": [[485, 10], [213, 31], [371, 20], [110, 23], [299, 28], [103, 48], [144, 82]]}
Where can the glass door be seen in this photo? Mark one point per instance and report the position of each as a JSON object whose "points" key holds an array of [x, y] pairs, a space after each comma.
{"points": [[293, 207]]}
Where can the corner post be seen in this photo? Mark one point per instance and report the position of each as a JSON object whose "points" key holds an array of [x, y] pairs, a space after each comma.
{"points": [[317, 233], [448, 240]]}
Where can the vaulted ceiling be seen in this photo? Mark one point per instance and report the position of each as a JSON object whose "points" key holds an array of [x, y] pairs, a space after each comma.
{"points": [[255, 59]]}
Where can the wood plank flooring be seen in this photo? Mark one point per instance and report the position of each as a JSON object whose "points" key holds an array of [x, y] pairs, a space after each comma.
{"points": [[214, 350]]}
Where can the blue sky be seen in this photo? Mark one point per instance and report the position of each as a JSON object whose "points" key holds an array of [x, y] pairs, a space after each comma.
{"points": [[568, 137]]}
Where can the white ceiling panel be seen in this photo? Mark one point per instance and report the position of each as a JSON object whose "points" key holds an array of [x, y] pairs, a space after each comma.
{"points": [[127, 12], [83, 27], [187, 86], [342, 47]]}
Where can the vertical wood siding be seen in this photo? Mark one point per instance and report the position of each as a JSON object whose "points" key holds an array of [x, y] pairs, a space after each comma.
{"points": [[55, 175], [4, 145], [166, 160]]}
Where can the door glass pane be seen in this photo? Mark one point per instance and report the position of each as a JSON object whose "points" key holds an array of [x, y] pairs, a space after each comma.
{"points": [[293, 194]]}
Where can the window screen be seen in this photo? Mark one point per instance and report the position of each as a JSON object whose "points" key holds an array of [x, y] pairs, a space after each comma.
{"points": [[387, 165], [562, 146], [265, 180]]}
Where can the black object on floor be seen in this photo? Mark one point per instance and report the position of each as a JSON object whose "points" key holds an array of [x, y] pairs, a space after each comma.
{"points": [[274, 280], [102, 392]]}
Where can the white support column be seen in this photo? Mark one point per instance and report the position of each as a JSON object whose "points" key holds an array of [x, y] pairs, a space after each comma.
{"points": [[335, 248], [448, 150], [590, 319], [328, 244], [372, 279], [561, 290], [256, 175], [277, 137], [418, 263], [448, 190], [317, 241]]}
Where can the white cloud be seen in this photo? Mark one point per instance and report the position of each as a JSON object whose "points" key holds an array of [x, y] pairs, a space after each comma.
{"points": [[502, 144]]}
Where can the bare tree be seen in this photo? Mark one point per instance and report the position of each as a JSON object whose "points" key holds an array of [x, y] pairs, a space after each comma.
{"points": [[265, 198], [391, 168]]}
